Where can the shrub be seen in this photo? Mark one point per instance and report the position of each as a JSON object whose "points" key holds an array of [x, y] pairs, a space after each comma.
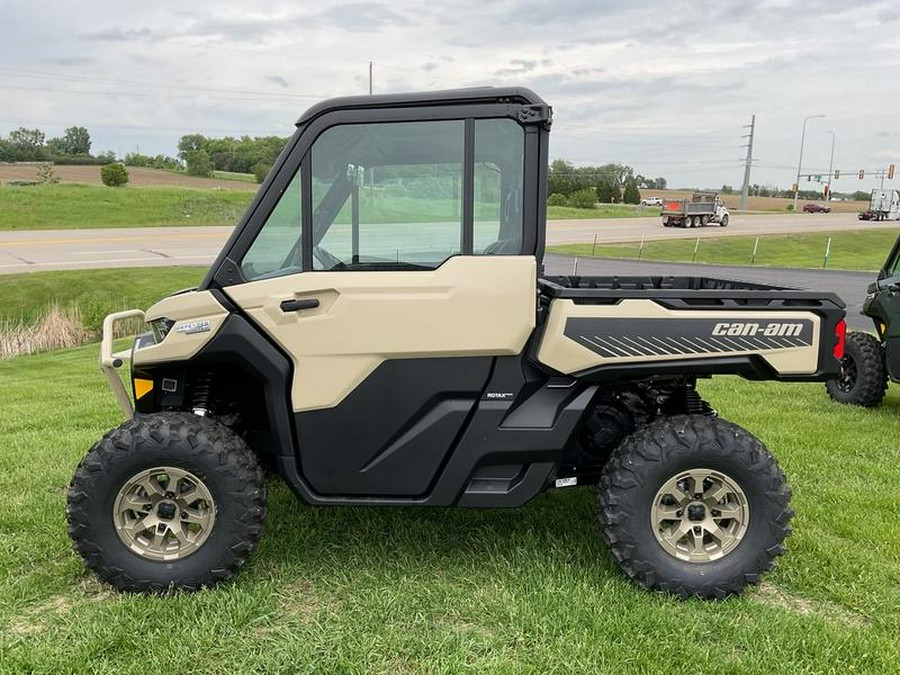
{"points": [[46, 175], [198, 163], [114, 175], [632, 195], [556, 199], [261, 170], [586, 198]]}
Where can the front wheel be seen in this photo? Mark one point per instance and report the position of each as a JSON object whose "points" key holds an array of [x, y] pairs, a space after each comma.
{"points": [[724, 221], [694, 506], [864, 377], [167, 501]]}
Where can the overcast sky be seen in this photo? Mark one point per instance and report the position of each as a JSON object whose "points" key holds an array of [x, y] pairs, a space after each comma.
{"points": [[665, 87]]}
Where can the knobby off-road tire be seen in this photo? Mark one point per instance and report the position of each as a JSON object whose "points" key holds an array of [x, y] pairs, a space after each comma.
{"points": [[221, 499], [864, 377], [744, 480]]}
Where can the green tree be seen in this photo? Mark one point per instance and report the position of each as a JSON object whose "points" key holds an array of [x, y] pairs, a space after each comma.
{"points": [[631, 195], [27, 144], [113, 175], [726, 190], [74, 141], [608, 190], [191, 143], [198, 163]]}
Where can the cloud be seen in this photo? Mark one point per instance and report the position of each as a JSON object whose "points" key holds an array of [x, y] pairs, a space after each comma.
{"points": [[278, 79], [362, 17], [116, 34], [67, 60]]}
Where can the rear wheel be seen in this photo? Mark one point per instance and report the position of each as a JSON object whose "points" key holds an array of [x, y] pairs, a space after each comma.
{"points": [[167, 501], [704, 220], [864, 377], [694, 506]]}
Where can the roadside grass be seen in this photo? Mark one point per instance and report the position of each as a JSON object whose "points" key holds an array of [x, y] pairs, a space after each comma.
{"points": [[234, 175], [50, 207], [529, 590], [601, 211], [94, 293], [864, 250], [71, 206]]}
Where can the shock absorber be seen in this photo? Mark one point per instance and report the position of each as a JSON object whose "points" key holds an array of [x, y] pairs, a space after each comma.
{"points": [[200, 403]]}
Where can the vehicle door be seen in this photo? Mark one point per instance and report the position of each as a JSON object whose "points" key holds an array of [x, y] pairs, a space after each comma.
{"points": [[888, 301], [398, 262]]}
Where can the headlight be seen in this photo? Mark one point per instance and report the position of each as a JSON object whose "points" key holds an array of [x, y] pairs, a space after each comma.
{"points": [[161, 328]]}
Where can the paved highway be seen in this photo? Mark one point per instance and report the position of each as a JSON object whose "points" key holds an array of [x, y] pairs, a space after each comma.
{"points": [[29, 251]]}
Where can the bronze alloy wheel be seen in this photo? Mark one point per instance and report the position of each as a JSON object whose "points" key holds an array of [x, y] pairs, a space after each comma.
{"points": [[164, 513], [699, 515]]}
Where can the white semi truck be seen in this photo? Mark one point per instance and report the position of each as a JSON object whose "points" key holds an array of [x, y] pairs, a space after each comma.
{"points": [[883, 205]]}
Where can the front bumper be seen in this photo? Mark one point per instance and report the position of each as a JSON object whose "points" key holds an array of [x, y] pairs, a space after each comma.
{"points": [[111, 361]]}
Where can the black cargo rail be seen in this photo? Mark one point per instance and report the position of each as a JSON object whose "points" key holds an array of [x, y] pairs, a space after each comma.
{"points": [[684, 292]]}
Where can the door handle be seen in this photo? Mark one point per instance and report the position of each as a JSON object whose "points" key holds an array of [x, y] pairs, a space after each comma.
{"points": [[297, 305]]}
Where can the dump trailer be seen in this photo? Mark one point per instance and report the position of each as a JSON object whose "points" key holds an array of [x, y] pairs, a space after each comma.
{"points": [[883, 205], [422, 359], [702, 208]]}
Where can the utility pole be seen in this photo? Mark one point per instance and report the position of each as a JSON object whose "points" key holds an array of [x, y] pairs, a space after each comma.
{"points": [[800, 161], [745, 188], [370, 78], [830, 167]]}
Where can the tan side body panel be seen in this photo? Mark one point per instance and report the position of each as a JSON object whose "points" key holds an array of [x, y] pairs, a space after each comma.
{"points": [[568, 356], [192, 312], [470, 306]]}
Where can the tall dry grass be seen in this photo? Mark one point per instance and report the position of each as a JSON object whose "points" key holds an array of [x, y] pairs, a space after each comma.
{"points": [[56, 328]]}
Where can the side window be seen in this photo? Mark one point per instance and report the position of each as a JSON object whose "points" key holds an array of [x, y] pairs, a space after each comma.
{"points": [[387, 195], [499, 174], [893, 267], [276, 249]]}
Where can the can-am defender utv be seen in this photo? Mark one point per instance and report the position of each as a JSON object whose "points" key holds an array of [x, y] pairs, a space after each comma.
{"points": [[871, 360], [377, 330]]}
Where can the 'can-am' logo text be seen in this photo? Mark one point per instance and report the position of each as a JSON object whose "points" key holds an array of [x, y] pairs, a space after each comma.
{"points": [[770, 329]]}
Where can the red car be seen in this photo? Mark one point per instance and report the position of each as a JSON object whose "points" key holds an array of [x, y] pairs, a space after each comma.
{"points": [[816, 208]]}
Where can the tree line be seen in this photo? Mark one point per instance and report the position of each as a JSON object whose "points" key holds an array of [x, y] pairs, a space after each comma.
{"points": [[197, 154], [583, 186], [32, 145], [203, 155]]}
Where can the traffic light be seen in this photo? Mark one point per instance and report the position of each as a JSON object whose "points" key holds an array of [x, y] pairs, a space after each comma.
{"points": [[891, 171], [795, 187], [861, 173], [827, 191], [837, 174]]}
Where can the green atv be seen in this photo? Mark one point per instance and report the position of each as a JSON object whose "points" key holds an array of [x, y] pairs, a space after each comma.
{"points": [[870, 361]]}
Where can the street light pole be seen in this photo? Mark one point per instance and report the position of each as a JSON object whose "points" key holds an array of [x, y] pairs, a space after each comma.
{"points": [[800, 162], [830, 165]]}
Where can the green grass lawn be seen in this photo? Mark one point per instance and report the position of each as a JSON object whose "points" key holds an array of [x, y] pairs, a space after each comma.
{"points": [[530, 590], [601, 211], [862, 250], [26, 296], [50, 207]]}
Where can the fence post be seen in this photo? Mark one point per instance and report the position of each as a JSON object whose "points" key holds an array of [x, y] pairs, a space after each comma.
{"points": [[594, 247], [696, 246], [641, 250], [753, 257], [827, 253]]}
